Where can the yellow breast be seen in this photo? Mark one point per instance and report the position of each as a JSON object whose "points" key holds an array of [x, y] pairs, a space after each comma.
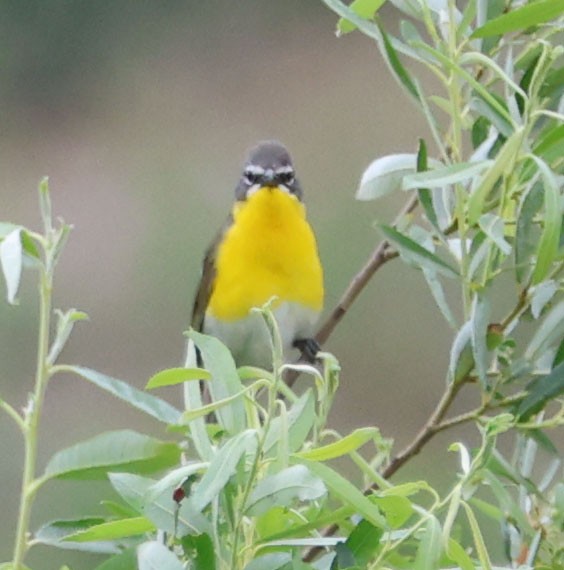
{"points": [[269, 250]]}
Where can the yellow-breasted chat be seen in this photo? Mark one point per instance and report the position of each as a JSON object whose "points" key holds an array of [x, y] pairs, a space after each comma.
{"points": [[265, 249]]}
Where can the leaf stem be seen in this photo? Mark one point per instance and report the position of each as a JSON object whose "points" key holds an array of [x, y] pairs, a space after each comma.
{"points": [[31, 420]]}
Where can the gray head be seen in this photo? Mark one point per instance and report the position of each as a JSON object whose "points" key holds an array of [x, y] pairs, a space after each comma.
{"points": [[268, 166]]}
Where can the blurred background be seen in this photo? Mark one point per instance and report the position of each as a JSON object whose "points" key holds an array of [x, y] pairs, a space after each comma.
{"points": [[141, 114]]}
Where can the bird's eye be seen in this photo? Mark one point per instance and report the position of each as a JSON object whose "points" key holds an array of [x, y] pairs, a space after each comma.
{"points": [[250, 177], [286, 178]]}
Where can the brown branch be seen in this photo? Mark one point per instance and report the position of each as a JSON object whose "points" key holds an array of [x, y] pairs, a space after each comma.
{"points": [[433, 425]]}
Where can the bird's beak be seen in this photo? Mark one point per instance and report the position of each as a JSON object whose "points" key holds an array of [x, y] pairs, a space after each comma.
{"points": [[268, 178]]}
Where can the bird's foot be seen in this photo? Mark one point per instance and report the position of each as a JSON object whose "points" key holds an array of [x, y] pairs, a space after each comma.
{"points": [[309, 348]]}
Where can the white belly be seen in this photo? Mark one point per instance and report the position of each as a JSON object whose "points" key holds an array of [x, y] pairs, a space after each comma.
{"points": [[249, 341]]}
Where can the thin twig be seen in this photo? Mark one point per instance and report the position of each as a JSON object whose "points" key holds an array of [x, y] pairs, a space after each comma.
{"points": [[425, 434]]}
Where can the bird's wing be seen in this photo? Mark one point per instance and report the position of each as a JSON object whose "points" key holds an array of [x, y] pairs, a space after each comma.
{"points": [[207, 281]]}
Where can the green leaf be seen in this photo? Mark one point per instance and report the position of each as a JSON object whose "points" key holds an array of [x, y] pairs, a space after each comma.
{"points": [[345, 491], [423, 257], [111, 530], [193, 400], [225, 380], [173, 376], [526, 235], [540, 391], [424, 194], [135, 490], [363, 542], [342, 446], [461, 354], [396, 508], [550, 144], [10, 566], [481, 549], [364, 8], [480, 320], [522, 18], [174, 478], [156, 556], [11, 253], [272, 561], [540, 295], [300, 419], [494, 228], [126, 560], [222, 467], [155, 407], [384, 175], [550, 236], [202, 544], [430, 547], [503, 162], [394, 63], [441, 177], [458, 555], [439, 295], [55, 532], [282, 488], [547, 334], [123, 450]]}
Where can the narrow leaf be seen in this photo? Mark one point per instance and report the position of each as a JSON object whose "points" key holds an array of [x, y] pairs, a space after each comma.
{"points": [[126, 560], [173, 376], [424, 194], [363, 542], [222, 467], [156, 556], [550, 236], [123, 450], [384, 175], [11, 262], [494, 228], [161, 511], [480, 320], [147, 403], [282, 488], [481, 549], [55, 532], [342, 446], [440, 177], [461, 354], [430, 547], [540, 391], [439, 295], [364, 8], [423, 257], [526, 235], [344, 490], [113, 529], [300, 419], [504, 160], [549, 333], [225, 381], [522, 18]]}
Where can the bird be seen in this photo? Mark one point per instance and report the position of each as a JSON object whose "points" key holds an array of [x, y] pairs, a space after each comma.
{"points": [[266, 250]]}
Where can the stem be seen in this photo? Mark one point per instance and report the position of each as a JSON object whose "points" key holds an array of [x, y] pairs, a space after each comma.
{"points": [[31, 420], [277, 360]]}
